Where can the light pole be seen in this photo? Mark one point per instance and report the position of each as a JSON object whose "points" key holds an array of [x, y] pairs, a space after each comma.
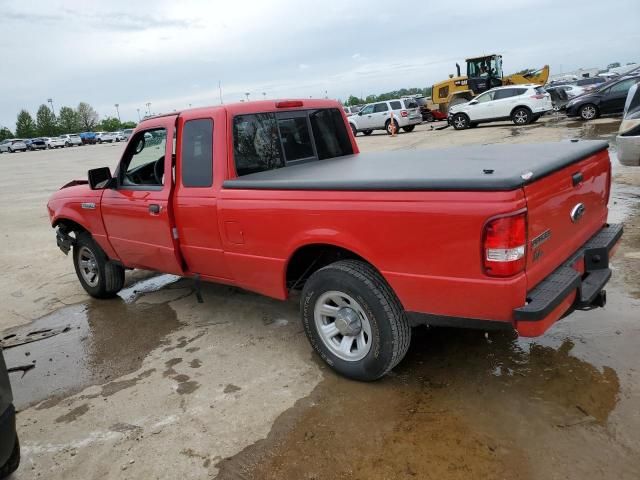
{"points": [[148, 104], [247, 94], [117, 111], [50, 100], [138, 110], [264, 95]]}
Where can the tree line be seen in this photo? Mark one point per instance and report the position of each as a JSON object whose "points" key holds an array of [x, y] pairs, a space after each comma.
{"points": [[83, 118], [403, 92]]}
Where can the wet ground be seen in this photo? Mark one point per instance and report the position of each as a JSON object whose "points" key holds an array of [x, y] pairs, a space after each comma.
{"points": [[155, 385]]}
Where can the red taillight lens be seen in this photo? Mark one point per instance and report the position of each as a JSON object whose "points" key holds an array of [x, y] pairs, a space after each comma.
{"points": [[404, 113], [538, 96], [289, 104], [505, 245]]}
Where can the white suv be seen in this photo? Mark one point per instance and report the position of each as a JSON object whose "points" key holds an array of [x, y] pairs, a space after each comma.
{"points": [[377, 116], [521, 104], [71, 140]]}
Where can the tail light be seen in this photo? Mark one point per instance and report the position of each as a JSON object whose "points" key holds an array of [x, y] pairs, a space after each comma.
{"points": [[404, 113], [538, 96], [289, 103], [505, 245]]}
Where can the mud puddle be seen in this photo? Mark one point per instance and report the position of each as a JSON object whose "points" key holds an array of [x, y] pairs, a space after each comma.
{"points": [[95, 343], [439, 415]]}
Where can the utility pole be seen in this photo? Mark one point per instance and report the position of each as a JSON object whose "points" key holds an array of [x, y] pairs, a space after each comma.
{"points": [[220, 90], [50, 100], [247, 94], [138, 110], [117, 111], [148, 104]]}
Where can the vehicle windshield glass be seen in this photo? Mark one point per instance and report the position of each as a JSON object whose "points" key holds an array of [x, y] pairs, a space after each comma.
{"points": [[483, 67]]}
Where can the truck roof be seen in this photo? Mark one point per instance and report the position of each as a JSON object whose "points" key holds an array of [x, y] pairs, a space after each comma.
{"points": [[258, 106], [498, 167]]}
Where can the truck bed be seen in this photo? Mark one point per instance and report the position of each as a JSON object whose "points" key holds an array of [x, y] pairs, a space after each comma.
{"points": [[499, 167]]}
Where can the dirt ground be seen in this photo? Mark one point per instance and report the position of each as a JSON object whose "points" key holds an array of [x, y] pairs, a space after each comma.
{"points": [[156, 385]]}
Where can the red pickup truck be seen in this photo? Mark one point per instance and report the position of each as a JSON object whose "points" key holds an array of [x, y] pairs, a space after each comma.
{"points": [[274, 197]]}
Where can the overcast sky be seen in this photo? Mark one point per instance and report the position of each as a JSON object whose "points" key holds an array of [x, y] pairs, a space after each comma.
{"points": [[174, 53]]}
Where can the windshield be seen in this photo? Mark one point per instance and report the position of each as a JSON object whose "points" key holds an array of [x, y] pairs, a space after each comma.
{"points": [[484, 67]]}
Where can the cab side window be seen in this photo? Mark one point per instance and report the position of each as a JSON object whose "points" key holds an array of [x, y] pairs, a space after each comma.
{"points": [[367, 110], [197, 153], [380, 107], [143, 162]]}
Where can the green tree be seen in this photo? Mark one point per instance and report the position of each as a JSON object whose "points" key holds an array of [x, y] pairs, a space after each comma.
{"points": [[25, 126], [87, 116], [353, 100], [128, 125], [109, 124], [68, 120], [5, 133], [46, 121]]}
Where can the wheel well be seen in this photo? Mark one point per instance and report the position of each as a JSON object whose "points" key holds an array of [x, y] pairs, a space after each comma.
{"points": [[69, 226], [520, 106], [310, 258]]}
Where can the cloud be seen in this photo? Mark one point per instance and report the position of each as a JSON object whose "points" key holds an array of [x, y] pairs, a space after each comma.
{"points": [[303, 66]]}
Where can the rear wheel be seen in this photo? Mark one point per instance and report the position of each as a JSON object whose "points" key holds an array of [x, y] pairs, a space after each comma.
{"points": [[588, 111], [429, 117], [409, 128], [521, 116], [354, 321], [389, 129], [367, 132], [100, 277], [460, 121], [13, 462]]}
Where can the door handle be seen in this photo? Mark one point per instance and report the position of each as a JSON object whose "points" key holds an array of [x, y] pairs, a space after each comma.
{"points": [[154, 209]]}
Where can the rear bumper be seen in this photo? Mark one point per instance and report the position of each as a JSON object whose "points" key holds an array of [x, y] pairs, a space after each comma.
{"points": [[577, 283], [7, 434]]}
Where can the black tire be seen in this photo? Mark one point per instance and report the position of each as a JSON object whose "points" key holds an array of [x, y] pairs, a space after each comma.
{"points": [[387, 127], [367, 132], [588, 111], [110, 276], [460, 121], [10, 150], [521, 116], [353, 129], [429, 118], [12, 463], [67, 144], [408, 129], [390, 330]]}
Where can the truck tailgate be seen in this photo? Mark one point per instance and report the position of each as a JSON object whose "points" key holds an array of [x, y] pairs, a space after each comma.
{"points": [[565, 209]]}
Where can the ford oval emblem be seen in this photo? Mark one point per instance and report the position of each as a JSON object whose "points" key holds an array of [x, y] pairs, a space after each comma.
{"points": [[577, 212]]}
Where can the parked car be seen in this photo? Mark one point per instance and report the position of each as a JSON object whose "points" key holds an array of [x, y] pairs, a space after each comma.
{"points": [[105, 137], [9, 444], [35, 144], [572, 90], [88, 138], [590, 83], [377, 116], [71, 140], [522, 104], [119, 136], [13, 145], [628, 139], [608, 99], [126, 133], [489, 236], [53, 142]]}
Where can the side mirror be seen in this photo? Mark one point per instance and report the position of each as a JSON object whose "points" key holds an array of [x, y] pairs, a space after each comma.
{"points": [[99, 178]]}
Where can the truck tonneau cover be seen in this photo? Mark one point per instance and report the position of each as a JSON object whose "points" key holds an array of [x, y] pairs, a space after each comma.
{"points": [[498, 167]]}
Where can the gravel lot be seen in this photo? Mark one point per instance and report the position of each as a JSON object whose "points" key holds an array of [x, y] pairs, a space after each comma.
{"points": [[155, 385]]}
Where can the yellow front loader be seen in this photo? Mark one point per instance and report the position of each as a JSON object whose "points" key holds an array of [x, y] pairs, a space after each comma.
{"points": [[483, 73]]}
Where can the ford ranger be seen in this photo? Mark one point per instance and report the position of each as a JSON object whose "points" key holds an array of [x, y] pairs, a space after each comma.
{"points": [[274, 197]]}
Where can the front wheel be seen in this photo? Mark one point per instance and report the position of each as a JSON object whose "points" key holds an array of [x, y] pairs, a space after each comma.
{"points": [[99, 277], [521, 116], [367, 132], [588, 112], [460, 121], [354, 321], [409, 128], [13, 462]]}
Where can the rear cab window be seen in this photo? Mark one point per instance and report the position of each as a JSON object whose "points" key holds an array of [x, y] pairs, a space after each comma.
{"points": [[197, 153], [267, 141]]}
